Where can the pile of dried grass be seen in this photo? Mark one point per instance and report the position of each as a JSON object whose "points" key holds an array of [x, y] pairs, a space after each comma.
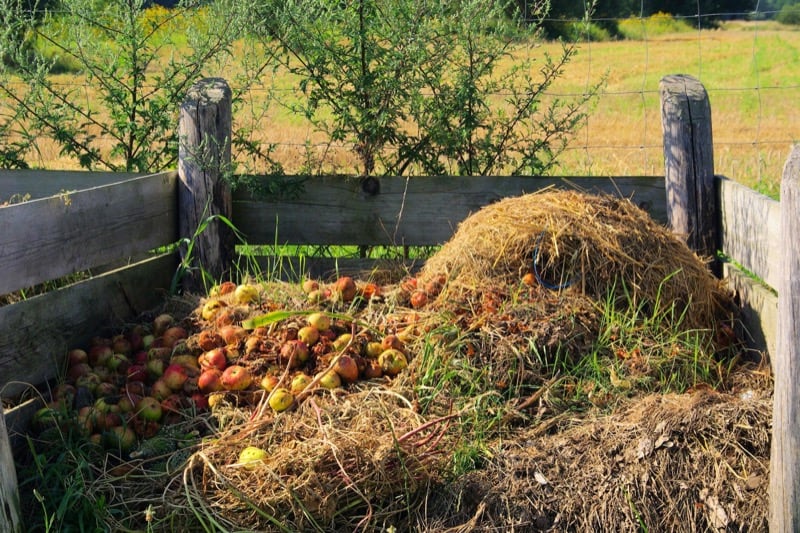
{"points": [[678, 463], [599, 245], [339, 463]]}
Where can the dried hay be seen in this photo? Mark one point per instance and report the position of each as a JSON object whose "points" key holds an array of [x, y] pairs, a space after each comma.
{"points": [[678, 463], [339, 463], [590, 244]]}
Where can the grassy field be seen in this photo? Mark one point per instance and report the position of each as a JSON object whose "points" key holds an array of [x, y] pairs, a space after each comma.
{"points": [[748, 69]]}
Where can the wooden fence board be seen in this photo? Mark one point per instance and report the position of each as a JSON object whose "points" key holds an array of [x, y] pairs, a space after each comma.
{"points": [[750, 229], [38, 332], [759, 310], [417, 211], [43, 183], [52, 237]]}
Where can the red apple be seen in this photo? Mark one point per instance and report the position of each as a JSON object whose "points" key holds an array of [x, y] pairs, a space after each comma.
{"points": [[269, 382], [210, 380], [215, 358], [236, 377], [99, 354], [200, 401], [76, 356], [173, 335], [174, 376], [346, 288], [121, 344], [137, 372], [159, 389], [295, 351], [346, 367], [78, 370]]}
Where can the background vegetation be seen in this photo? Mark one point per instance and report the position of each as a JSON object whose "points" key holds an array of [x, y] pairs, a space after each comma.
{"points": [[282, 127]]}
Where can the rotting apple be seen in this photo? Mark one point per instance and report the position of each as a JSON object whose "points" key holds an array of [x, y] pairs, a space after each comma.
{"points": [[173, 335], [295, 351], [120, 438], [252, 456], [308, 334], [280, 399], [372, 369], [245, 294], [161, 323], [330, 380], [299, 382], [211, 308], [392, 361], [418, 299], [208, 340], [175, 376], [310, 285], [232, 334], [346, 367], [269, 382], [345, 287]]}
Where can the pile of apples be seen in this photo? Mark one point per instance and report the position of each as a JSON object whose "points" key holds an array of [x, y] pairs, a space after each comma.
{"points": [[121, 389]]}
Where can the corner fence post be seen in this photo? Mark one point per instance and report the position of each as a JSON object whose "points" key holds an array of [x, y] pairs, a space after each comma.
{"points": [[10, 517], [689, 158], [784, 467], [204, 156]]}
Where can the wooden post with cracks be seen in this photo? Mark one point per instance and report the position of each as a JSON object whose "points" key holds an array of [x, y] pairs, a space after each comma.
{"points": [[689, 158], [204, 156]]}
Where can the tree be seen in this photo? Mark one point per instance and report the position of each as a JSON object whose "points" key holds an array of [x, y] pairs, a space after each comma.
{"points": [[123, 116], [418, 86]]}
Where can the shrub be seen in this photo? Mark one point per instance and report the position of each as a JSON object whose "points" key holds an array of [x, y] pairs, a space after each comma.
{"points": [[637, 28], [789, 15]]}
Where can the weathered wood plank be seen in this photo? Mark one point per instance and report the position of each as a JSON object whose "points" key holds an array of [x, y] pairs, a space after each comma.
{"points": [[750, 230], [43, 183], [689, 159], [758, 306], [204, 155], [784, 486], [52, 237], [38, 332], [417, 211]]}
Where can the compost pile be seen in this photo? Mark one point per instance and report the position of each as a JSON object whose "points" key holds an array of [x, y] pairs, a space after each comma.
{"points": [[516, 381]]}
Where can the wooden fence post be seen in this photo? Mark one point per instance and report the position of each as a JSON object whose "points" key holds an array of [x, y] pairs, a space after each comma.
{"points": [[784, 485], [10, 519], [689, 157], [204, 156]]}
